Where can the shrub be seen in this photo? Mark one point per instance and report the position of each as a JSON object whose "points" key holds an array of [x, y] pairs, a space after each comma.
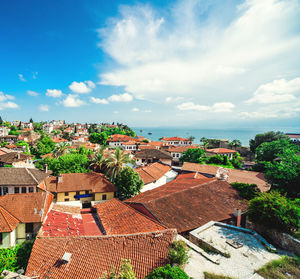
{"points": [[246, 191], [275, 211], [167, 272], [193, 155], [178, 253], [219, 160], [126, 271]]}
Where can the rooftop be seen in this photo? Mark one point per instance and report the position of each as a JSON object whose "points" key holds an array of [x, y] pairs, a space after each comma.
{"points": [[14, 157], [174, 139], [153, 153], [221, 150], [152, 172]]}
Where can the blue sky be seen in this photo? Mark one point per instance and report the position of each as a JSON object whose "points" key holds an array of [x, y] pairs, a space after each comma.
{"points": [[205, 64]]}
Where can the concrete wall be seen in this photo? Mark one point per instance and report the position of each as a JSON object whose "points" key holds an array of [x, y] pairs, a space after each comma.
{"points": [[97, 196], [13, 238], [21, 232]]}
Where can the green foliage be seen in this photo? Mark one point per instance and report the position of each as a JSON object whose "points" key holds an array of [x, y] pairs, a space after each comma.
{"points": [[235, 144], [37, 126], [178, 253], [14, 131], [126, 271], [23, 143], [167, 272], [276, 211], [219, 160], [278, 269], [15, 258], [3, 143], [121, 130], [44, 146], [128, 183], [246, 191], [285, 174], [265, 137], [99, 138], [237, 160], [193, 155]]}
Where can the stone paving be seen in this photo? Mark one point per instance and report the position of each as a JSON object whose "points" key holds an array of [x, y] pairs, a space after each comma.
{"points": [[243, 261]]}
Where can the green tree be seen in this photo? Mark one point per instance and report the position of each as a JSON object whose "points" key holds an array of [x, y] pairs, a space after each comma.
{"points": [[178, 253], [193, 155], [44, 146], [115, 162], [285, 173], [100, 138], [276, 211], [23, 143], [246, 191], [219, 160], [1, 121], [167, 272], [235, 144], [128, 183], [30, 120], [237, 160], [98, 161], [191, 138], [60, 149], [265, 137], [126, 270]]}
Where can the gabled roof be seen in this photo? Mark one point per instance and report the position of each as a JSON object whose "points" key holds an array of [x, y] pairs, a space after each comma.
{"points": [[221, 150], [21, 176], [153, 154], [186, 204], [174, 139], [120, 138], [28, 207], [118, 218], [235, 175], [92, 256], [152, 172], [7, 221], [72, 182], [13, 157]]}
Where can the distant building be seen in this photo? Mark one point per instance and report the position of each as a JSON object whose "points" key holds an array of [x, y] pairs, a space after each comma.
{"points": [[221, 151], [17, 160], [176, 152], [295, 138], [176, 141], [148, 156], [48, 128], [3, 131]]}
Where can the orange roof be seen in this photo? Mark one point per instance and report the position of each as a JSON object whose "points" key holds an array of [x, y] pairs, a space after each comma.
{"points": [[119, 218], [7, 221], [92, 256], [120, 138], [57, 140], [235, 175], [221, 150], [180, 149], [191, 175], [152, 172], [72, 182], [129, 143], [142, 147], [174, 139], [47, 155], [186, 204]]}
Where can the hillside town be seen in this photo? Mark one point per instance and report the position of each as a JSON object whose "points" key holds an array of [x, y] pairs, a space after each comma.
{"points": [[96, 200]]}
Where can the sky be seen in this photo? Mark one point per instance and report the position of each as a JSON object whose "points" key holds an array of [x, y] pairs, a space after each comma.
{"points": [[186, 63]]}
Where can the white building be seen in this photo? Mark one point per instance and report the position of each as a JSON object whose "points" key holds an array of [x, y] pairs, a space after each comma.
{"points": [[176, 141], [48, 128], [3, 131]]}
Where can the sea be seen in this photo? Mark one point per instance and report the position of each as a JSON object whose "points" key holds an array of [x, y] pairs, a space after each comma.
{"points": [[155, 133]]}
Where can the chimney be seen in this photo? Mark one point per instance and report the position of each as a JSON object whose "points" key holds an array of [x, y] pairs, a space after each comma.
{"points": [[59, 178], [67, 257], [46, 168], [238, 215]]}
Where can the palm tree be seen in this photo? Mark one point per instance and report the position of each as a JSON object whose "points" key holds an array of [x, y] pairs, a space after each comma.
{"points": [[99, 160], [235, 144], [205, 142], [116, 161], [60, 149]]}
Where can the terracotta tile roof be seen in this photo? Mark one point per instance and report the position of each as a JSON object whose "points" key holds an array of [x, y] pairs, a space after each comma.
{"points": [[120, 138], [152, 172], [221, 150], [180, 149], [153, 154], [191, 175], [7, 221], [186, 204], [72, 182], [129, 143], [66, 208], [27, 208], [47, 155], [57, 140], [119, 218], [235, 175], [142, 147], [14, 157], [59, 224], [21, 176], [92, 256], [174, 139]]}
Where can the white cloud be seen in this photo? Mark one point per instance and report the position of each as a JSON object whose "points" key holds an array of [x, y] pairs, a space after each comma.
{"points": [[135, 109], [277, 91], [217, 107], [188, 51], [173, 99], [55, 93], [121, 98], [32, 93], [44, 108], [21, 77], [5, 97], [5, 101], [72, 101], [98, 101], [82, 87]]}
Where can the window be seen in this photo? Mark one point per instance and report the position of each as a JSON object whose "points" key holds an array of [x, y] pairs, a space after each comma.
{"points": [[29, 227], [87, 192], [77, 193], [31, 189], [66, 193], [23, 189], [1, 238], [67, 199], [17, 190], [177, 155], [5, 190], [104, 197]]}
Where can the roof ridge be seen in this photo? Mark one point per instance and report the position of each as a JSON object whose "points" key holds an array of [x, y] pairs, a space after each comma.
{"points": [[29, 172], [1, 210]]}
